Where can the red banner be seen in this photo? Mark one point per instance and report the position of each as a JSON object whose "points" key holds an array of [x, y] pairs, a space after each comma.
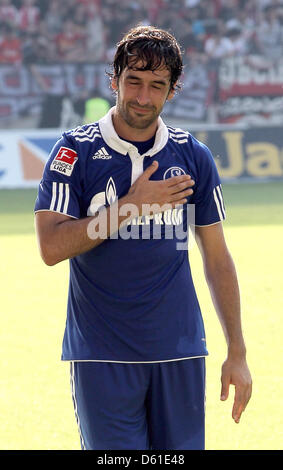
{"points": [[250, 88]]}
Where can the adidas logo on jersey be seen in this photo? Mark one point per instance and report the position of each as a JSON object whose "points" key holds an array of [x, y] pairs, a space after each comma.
{"points": [[102, 154]]}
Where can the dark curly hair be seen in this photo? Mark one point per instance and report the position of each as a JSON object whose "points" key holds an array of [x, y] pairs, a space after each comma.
{"points": [[153, 48]]}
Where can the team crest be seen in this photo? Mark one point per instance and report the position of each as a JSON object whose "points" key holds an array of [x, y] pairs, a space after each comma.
{"points": [[111, 194], [100, 200], [173, 171]]}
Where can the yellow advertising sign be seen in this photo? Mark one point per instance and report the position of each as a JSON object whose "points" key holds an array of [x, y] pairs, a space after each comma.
{"points": [[256, 152]]}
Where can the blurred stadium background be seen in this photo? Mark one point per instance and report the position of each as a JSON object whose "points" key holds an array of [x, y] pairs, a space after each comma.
{"points": [[53, 61]]}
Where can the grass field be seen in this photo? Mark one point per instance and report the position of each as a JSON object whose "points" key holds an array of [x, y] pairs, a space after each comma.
{"points": [[36, 409]]}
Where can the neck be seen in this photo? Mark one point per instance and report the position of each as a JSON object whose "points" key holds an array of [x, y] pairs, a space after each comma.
{"points": [[131, 133]]}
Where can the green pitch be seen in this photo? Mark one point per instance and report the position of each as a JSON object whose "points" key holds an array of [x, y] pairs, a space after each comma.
{"points": [[35, 402]]}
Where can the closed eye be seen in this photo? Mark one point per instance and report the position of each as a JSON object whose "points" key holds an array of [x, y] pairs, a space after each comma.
{"points": [[157, 85]]}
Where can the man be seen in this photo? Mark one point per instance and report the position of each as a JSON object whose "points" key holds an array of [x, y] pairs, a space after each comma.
{"points": [[109, 201]]}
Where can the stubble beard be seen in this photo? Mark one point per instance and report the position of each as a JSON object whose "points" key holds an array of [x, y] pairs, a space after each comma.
{"points": [[136, 122]]}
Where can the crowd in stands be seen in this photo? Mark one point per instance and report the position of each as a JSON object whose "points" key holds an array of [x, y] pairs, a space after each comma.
{"points": [[76, 31]]}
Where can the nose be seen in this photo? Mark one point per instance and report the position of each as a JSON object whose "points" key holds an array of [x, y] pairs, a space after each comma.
{"points": [[143, 97]]}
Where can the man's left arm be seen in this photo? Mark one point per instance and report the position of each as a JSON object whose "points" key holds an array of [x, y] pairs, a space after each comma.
{"points": [[222, 280]]}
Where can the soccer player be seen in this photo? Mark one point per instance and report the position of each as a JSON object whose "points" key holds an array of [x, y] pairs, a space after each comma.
{"points": [[116, 199]]}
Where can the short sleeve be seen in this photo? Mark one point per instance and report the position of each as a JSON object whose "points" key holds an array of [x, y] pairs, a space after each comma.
{"points": [[59, 189], [208, 196]]}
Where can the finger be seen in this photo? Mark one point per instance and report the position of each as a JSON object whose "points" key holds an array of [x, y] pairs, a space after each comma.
{"points": [[181, 186], [181, 195], [224, 388], [242, 397], [179, 202], [177, 179], [238, 406], [150, 170], [237, 413]]}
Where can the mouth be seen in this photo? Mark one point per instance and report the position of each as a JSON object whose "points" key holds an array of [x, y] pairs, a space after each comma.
{"points": [[140, 110]]}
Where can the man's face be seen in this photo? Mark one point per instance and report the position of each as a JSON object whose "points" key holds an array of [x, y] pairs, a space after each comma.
{"points": [[141, 95]]}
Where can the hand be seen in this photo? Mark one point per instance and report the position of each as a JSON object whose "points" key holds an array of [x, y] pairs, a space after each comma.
{"points": [[172, 191], [236, 372]]}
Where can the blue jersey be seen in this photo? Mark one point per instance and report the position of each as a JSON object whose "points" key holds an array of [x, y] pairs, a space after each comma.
{"points": [[132, 298]]}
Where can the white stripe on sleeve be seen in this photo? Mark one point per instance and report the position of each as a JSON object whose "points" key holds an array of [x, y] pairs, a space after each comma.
{"points": [[54, 193], [221, 200], [217, 204], [61, 186], [67, 198]]}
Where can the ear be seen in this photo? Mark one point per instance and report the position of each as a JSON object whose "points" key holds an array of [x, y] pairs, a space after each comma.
{"points": [[114, 83], [171, 93]]}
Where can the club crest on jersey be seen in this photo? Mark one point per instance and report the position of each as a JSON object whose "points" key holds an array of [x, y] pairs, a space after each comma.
{"points": [[64, 161], [173, 171], [111, 194], [100, 200]]}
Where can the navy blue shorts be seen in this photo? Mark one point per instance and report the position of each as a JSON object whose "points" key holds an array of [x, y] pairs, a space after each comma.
{"points": [[140, 406]]}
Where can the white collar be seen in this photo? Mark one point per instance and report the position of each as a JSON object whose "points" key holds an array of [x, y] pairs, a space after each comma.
{"points": [[112, 139]]}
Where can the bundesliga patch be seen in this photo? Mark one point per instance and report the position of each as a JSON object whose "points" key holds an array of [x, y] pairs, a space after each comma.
{"points": [[64, 161]]}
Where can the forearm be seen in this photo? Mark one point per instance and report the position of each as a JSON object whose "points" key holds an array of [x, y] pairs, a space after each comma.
{"points": [[222, 280], [71, 237], [223, 284]]}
